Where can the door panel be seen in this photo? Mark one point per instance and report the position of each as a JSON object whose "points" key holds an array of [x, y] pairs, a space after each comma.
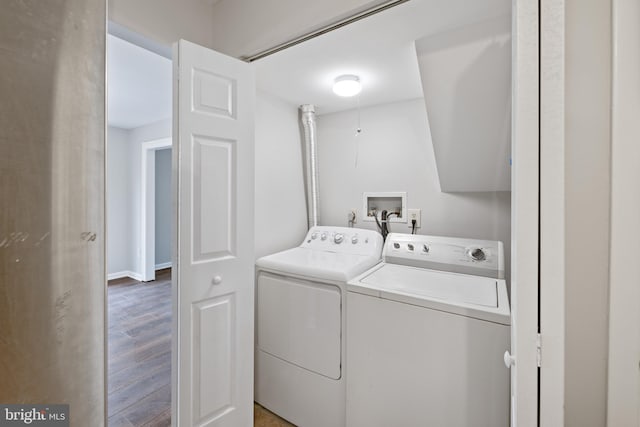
{"points": [[214, 279], [213, 94], [214, 186], [213, 355]]}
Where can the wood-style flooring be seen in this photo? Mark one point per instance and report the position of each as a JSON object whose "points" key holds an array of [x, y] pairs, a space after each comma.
{"points": [[263, 418], [139, 365], [139, 370]]}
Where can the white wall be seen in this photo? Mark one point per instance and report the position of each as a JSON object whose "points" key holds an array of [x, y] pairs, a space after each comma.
{"points": [[280, 209], [395, 153], [164, 212], [124, 191], [118, 202], [166, 21]]}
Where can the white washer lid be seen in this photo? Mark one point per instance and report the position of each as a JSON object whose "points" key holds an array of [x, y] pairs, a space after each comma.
{"points": [[451, 287]]}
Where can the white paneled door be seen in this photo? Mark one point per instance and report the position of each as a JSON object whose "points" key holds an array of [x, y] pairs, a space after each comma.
{"points": [[213, 167]]}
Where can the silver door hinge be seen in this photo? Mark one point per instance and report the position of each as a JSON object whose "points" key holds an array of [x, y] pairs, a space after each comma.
{"points": [[539, 350]]}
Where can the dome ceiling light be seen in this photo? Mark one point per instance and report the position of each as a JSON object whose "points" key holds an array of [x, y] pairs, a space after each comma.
{"points": [[347, 85]]}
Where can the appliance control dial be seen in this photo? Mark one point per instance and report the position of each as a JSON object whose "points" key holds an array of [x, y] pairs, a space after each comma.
{"points": [[338, 238], [314, 236], [477, 254], [425, 248], [354, 239], [410, 246], [323, 236], [396, 245]]}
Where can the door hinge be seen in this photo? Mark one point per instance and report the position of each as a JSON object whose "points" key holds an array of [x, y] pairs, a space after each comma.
{"points": [[539, 350]]}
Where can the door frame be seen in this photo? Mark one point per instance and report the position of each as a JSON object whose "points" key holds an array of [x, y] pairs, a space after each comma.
{"points": [[525, 206], [623, 390], [525, 214], [148, 206], [552, 213]]}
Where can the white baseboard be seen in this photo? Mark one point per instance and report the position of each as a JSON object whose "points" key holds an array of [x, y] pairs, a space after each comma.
{"points": [[163, 265], [125, 273], [117, 275], [135, 276]]}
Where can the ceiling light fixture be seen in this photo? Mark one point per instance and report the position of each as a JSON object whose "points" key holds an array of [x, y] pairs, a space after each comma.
{"points": [[347, 85]]}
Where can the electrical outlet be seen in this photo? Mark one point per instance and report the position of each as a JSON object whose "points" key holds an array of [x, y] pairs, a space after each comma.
{"points": [[414, 214]]}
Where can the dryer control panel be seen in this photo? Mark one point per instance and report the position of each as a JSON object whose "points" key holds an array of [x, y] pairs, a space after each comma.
{"points": [[343, 240], [452, 254]]}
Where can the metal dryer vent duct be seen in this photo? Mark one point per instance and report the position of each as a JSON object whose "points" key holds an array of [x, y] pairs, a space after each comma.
{"points": [[308, 118]]}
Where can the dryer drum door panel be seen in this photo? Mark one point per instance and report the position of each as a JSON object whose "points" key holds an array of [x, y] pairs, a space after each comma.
{"points": [[300, 322]]}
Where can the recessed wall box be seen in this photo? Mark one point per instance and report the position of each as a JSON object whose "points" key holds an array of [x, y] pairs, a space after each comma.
{"points": [[392, 202]]}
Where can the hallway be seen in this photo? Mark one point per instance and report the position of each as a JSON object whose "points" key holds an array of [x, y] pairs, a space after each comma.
{"points": [[139, 376]]}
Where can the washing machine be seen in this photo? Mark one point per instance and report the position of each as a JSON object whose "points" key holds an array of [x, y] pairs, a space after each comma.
{"points": [[300, 323], [426, 333]]}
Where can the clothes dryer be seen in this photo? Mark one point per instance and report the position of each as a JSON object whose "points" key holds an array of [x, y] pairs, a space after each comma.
{"points": [[301, 309]]}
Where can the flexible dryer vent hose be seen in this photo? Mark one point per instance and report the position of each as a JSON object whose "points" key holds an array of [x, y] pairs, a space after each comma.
{"points": [[308, 118]]}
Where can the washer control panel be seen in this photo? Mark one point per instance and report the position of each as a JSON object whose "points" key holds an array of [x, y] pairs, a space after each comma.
{"points": [[344, 240], [453, 254]]}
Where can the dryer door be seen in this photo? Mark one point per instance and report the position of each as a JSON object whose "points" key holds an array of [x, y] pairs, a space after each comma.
{"points": [[300, 322]]}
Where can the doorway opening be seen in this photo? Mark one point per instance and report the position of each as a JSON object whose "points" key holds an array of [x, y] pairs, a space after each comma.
{"points": [[450, 212], [155, 205], [139, 223]]}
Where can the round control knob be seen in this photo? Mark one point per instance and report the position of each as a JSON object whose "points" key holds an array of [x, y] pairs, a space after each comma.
{"points": [[425, 248], [338, 238], [314, 236], [354, 239], [477, 254], [410, 246], [323, 236], [396, 245]]}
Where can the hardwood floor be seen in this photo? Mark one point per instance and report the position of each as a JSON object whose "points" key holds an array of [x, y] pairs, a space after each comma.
{"points": [[139, 370], [139, 365]]}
